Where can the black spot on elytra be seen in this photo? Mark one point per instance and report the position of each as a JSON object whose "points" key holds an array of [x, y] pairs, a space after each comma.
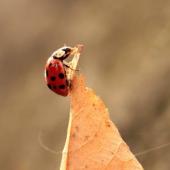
{"points": [[53, 78], [49, 86], [62, 86], [61, 75]]}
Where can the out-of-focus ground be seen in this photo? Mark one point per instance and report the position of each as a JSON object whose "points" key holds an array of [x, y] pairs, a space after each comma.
{"points": [[126, 61]]}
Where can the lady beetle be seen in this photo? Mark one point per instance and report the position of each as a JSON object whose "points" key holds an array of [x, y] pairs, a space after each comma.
{"points": [[56, 71]]}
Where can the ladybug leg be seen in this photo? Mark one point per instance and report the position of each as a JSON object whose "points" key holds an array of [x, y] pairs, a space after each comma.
{"points": [[68, 66], [68, 75], [69, 83]]}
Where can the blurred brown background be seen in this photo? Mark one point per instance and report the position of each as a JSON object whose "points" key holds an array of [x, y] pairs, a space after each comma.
{"points": [[126, 61]]}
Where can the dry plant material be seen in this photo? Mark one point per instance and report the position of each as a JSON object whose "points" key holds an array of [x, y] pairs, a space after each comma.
{"points": [[93, 141]]}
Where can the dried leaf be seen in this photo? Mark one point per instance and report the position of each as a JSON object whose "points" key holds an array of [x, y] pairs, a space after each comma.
{"points": [[93, 141]]}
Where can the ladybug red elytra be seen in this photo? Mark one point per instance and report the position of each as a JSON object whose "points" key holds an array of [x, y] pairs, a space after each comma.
{"points": [[56, 70]]}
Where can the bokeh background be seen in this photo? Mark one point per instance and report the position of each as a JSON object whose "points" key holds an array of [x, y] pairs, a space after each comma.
{"points": [[126, 61]]}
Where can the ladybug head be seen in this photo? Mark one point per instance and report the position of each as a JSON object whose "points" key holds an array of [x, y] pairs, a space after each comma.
{"points": [[62, 53]]}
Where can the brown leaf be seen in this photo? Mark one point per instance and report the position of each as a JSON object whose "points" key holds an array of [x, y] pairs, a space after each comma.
{"points": [[93, 141]]}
